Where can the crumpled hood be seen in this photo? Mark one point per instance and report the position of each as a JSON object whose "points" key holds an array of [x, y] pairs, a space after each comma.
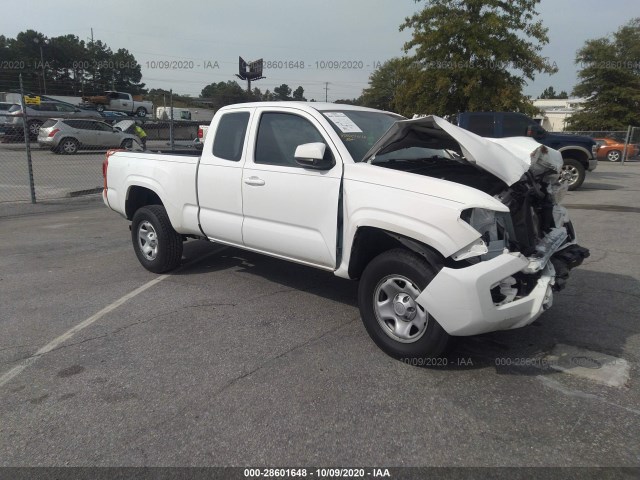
{"points": [[506, 158]]}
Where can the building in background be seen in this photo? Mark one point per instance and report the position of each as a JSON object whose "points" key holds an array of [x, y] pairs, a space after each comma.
{"points": [[555, 112]]}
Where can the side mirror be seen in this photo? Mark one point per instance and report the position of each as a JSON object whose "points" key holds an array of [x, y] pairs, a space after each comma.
{"points": [[535, 131], [311, 155]]}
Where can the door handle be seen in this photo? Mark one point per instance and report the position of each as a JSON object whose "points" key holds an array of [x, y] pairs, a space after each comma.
{"points": [[254, 181]]}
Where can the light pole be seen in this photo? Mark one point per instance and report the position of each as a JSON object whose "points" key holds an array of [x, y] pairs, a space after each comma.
{"points": [[44, 80]]}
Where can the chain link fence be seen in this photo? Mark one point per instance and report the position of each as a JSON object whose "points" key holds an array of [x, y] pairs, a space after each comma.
{"points": [[51, 149]]}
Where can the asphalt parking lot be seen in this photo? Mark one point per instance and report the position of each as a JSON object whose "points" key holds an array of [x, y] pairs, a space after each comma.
{"points": [[242, 360]]}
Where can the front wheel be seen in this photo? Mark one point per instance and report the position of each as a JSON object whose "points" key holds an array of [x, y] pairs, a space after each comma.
{"points": [[127, 144], [387, 295], [157, 245], [573, 172], [614, 155], [100, 108]]}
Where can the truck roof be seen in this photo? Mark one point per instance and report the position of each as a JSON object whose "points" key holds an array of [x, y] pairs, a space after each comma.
{"points": [[319, 106]]}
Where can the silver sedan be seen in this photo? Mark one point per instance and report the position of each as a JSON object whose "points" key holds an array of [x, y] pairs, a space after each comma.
{"points": [[70, 135]]}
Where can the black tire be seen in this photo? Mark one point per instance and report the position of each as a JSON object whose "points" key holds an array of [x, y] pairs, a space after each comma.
{"points": [[164, 245], [573, 172], [429, 341], [614, 155], [68, 146], [34, 128], [100, 108], [141, 112], [127, 143]]}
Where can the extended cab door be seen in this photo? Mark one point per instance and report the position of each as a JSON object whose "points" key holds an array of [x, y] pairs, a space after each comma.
{"points": [[219, 180], [290, 211]]}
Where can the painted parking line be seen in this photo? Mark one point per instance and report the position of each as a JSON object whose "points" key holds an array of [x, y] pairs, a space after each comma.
{"points": [[15, 371]]}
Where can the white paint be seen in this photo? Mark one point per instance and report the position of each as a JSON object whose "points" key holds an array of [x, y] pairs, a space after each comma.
{"points": [[15, 371], [596, 366]]}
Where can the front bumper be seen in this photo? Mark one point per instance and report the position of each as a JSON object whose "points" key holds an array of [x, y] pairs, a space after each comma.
{"points": [[593, 164], [460, 299]]}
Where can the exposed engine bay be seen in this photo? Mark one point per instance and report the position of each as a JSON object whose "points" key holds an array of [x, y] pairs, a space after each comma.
{"points": [[536, 227]]}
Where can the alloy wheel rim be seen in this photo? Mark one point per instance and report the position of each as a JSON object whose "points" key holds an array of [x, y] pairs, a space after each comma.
{"points": [[570, 174]]}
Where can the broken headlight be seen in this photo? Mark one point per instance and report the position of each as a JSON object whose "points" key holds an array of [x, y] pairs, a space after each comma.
{"points": [[495, 229]]}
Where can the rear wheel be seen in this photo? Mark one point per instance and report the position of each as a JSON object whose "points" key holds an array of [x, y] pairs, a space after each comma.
{"points": [[614, 155], [573, 172], [34, 128], [387, 295], [157, 245], [141, 112], [100, 108], [68, 146]]}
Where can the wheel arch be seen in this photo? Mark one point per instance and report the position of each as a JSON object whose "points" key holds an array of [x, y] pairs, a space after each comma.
{"points": [[578, 153], [68, 137], [369, 242], [138, 197]]}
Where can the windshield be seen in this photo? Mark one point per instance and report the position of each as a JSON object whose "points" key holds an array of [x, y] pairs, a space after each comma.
{"points": [[359, 130]]}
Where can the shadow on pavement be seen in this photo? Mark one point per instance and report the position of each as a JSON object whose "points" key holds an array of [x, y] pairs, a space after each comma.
{"points": [[597, 311]]}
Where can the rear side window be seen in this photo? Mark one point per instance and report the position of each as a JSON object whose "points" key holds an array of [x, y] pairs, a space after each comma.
{"points": [[49, 123], [230, 133], [481, 124], [515, 125], [64, 108], [82, 124], [44, 107], [15, 108]]}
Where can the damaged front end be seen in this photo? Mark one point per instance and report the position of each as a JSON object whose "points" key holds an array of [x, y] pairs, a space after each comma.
{"points": [[505, 278], [508, 276]]}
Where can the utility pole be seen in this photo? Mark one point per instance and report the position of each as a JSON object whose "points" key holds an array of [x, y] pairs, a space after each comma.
{"points": [[326, 89]]}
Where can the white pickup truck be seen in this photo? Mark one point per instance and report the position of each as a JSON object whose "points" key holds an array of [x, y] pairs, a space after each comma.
{"points": [[449, 233]]}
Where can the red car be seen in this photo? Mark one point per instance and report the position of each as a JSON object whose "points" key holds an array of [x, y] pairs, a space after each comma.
{"points": [[611, 149]]}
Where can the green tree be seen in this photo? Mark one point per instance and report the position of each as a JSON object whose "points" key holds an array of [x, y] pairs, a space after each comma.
{"points": [[388, 84], [224, 93], [298, 95], [550, 93], [348, 101], [70, 66], [283, 92], [472, 55], [610, 79]]}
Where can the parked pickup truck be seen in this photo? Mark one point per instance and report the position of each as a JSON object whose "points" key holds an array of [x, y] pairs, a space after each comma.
{"points": [[120, 102], [578, 152], [449, 233]]}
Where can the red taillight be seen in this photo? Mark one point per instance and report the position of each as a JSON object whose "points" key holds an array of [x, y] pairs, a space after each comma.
{"points": [[105, 165], [200, 132], [53, 132]]}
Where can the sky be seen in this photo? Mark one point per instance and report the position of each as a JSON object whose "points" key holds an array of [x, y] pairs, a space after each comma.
{"points": [[328, 47]]}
